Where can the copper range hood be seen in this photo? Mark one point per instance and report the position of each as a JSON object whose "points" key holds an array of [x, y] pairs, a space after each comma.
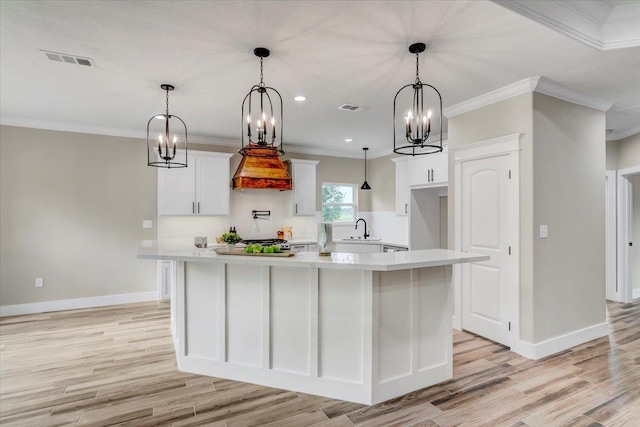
{"points": [[261, 169]]}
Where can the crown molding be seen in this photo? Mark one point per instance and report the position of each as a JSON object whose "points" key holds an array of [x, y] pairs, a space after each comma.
{"points": [[551, 88], [531, 84], [595, 23], [616, 136], [193, 139], [506, 92]]}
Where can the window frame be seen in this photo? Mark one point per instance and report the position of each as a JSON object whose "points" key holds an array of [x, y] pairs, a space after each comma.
{"points": [[354, 205]]}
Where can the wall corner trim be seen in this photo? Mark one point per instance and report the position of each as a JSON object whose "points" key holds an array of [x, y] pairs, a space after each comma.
{"points": [[560, 343], [532, 84], [74, 304]]}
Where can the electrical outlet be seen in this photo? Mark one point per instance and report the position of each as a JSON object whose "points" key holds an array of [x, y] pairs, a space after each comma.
{"points": [[39, 282], [147, 223]]}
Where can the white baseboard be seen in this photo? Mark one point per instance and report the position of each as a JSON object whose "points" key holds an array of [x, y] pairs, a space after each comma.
{"points": [[560, 343], [636, 293], [74, 304]]}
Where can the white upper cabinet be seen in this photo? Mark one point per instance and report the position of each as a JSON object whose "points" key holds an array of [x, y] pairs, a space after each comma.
{"points": [[303, 175], [430, 170], [402, 185], [202, 188]]}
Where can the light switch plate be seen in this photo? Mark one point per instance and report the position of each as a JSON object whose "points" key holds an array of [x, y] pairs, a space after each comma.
{"points": [[147, 223], [39, 282], [544, 231]]}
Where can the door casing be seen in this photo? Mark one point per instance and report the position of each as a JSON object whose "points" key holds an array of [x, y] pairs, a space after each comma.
{"points": [[624, 208], [506, 145]]}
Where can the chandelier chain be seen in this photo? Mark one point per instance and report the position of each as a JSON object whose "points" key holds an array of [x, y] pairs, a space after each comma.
{"points": [[417, 68], [261, 76], [167, 101]]}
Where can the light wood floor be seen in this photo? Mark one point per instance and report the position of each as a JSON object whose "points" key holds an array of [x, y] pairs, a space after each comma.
{"points": [[116, 366]]}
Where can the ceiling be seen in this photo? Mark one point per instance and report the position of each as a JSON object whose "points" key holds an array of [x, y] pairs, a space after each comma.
{"points": [[332, 52]]}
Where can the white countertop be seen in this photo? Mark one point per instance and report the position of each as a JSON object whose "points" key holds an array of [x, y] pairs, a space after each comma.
{"points": [[388, 261]]}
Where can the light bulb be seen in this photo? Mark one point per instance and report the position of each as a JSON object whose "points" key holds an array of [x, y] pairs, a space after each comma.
{"points": [[429, 114]]}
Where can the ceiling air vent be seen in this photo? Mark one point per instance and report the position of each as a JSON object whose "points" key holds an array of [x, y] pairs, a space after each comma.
{"points": [[349, 107], [69, 59]]}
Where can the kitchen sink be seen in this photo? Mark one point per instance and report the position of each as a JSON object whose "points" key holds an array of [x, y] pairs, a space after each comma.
{"points": [[356, 239]]}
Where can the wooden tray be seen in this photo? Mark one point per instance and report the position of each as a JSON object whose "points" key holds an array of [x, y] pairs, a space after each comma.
{"points": [[242, 252]]}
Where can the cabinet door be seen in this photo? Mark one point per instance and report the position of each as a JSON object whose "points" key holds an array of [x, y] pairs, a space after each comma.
{"points": [[303, 174], [358, 248], [402, 185], [298, 248], [212, 184], [420, 169], [440, 168], [176, 189]]}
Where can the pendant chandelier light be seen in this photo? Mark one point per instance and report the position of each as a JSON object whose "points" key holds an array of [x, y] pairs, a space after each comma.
{"points": [[261, 167], [366, 185], [411, 135], [166, 138], [258, 112]]}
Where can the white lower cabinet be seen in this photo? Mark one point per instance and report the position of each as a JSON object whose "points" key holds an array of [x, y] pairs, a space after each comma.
{"points": [[299, 248], [358, 248], [166, 277]]}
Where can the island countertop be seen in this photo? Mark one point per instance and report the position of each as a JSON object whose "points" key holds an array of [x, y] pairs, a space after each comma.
{"points": [[387, 261]]}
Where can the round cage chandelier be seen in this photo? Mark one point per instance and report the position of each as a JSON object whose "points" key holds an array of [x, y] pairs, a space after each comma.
{"points": [[260, 120], [411, 135], [166, 138]]}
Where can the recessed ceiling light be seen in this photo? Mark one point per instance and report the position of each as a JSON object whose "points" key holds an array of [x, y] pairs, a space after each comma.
{"points": [[348, 140], [300, 98]]}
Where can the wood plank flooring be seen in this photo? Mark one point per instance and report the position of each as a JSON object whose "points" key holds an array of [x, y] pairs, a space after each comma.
{"points": [[116, 366]]}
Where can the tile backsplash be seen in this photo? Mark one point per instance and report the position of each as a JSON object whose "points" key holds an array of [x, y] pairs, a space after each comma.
{"points": [[386, 225]]}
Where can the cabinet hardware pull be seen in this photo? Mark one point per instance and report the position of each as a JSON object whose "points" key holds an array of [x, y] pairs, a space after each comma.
{"points": [[296, 208], [193, 207], [405, 208], [198, 207]]}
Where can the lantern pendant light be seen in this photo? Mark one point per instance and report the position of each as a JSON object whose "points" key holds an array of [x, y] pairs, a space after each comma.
{"points": [[262, 125], [366, 185], [261, 167], [416, 125], [166, 138]]}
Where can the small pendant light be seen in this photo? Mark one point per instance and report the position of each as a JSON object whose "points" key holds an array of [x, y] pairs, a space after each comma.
{"points": [[416, 126], [166, 138], [366, 185]]}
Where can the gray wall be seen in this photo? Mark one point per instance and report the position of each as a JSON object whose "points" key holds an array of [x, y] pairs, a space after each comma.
{"points": [[72, 207], [623, 153], [71, 211], [569, 196], [562, 164]]}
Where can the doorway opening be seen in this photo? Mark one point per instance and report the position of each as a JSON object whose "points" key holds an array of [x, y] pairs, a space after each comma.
{"points": [[628, 233]]}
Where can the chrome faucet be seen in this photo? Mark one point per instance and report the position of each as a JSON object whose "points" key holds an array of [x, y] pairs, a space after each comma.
{"points": [[365, 227]]}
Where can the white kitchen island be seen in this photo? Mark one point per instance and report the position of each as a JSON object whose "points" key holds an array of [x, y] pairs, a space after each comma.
{"points": [[358, 327]]}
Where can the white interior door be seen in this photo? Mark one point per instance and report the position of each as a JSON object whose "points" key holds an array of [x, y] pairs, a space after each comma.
{"points": [[486, 228]]}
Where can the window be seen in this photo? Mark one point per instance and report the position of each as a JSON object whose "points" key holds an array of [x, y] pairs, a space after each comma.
{"points": [[338, 202]]}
